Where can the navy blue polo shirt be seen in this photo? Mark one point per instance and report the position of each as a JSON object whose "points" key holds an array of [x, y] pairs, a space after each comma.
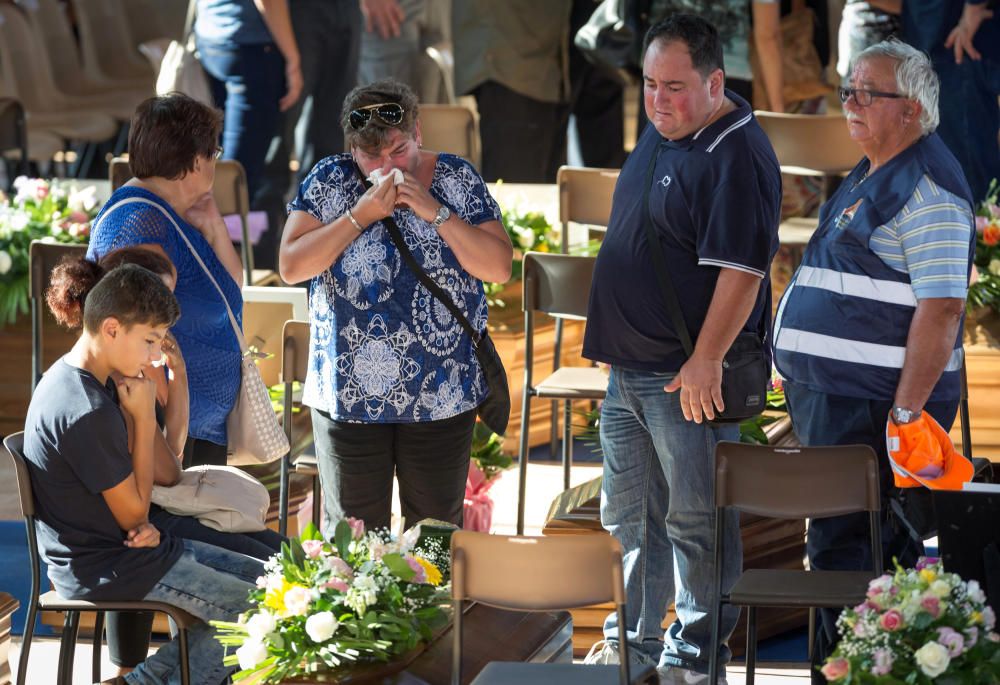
{"points": [[715, 202]]}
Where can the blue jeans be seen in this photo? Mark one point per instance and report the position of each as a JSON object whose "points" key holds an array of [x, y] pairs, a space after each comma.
{"points": [[658, 501], [212, 584]]}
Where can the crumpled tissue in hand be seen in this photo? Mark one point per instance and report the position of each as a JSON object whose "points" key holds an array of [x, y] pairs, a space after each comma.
{"points": [[377, 177]]}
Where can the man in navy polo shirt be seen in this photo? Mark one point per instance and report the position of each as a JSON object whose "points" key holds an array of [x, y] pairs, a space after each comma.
{"points": [[714, 202]]}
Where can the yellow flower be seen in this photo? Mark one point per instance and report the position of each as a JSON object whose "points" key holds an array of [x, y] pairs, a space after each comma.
{"points": [[976, 617], [274, 598], [430, 570], [928, 575], [542, 247]]}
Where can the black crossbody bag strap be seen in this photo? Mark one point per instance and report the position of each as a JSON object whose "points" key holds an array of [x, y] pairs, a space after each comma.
{"points": [[422, 276], [660, 263]]}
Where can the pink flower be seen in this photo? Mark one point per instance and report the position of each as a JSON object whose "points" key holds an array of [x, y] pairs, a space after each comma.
{"points": [[883, 662], [971, 636], [312, 548], [835, 669], [340, 567], [989, 618], [952, 640], [981, 222], [932, 605], [41, 190], [78, 217], [420, 576], [357, 527], [335, 584], [866, 608], [891, 620]]}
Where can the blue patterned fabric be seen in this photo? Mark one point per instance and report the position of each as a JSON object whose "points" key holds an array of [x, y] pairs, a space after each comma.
{"points": [[383, 349], [206, 337]]}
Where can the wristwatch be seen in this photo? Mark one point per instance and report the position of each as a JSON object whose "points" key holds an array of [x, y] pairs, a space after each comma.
{"points": [[901, 415], [443, 214]]}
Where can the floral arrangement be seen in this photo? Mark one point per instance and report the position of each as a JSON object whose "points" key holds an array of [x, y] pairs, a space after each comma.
{"points": [[39, 210], [367, 596], [752, 430], [487, 461], [919, 626], [985, 292]]}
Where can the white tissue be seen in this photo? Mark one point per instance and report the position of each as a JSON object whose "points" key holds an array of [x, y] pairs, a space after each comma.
{"points": [[377, 178]]}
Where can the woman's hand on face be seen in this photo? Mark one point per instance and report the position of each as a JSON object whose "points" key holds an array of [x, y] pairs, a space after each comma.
{"points": [[377, 203], [205, 216], [411, 193]]}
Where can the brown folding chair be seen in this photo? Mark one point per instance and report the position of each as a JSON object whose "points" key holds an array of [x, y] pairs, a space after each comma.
{"points": [[567, 572], [585, 195], [810, 145], [51, 601], [294, 367], [450, 128], [42, 259], [231, 195], [557, 285], [782, 482]]}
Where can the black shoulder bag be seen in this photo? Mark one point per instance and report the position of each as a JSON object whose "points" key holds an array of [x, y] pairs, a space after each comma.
{"points": [[495, 409], [745, 368]]}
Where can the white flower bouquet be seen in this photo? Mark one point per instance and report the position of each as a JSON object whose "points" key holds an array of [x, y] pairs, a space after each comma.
{"points": [[39, 210], [919, 626], [322, 606]]}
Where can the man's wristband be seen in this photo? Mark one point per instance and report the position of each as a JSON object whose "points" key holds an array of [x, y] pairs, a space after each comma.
{"points": [[349, 215]]}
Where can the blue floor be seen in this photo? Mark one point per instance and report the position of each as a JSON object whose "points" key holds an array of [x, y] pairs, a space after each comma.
{"points": [[15, 575]]}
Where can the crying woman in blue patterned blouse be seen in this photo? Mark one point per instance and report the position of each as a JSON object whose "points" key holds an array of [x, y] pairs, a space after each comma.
{"points": [[393, 379]]}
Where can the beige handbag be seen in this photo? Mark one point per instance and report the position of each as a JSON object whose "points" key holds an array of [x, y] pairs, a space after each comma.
{"points": [[180, 69], [221, 497], [255, 436]]}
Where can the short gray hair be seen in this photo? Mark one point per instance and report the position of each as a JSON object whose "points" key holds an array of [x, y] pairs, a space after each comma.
{"points": [[915, 77]]}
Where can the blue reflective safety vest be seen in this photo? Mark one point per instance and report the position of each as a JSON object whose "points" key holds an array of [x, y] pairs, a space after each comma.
{"points": [[842, 324]]}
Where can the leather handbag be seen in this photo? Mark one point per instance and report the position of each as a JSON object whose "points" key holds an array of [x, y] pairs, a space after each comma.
{"points": [[255, 436], [221, 497], [746, 367], [495, 409], [613, 35], [180, 70]]}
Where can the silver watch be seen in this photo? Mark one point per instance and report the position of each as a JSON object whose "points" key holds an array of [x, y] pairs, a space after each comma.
{"points": [[902, 415], [443, 214]]}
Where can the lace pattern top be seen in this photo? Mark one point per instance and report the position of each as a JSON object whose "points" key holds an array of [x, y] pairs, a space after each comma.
{"points": [[206, 338], [383, 349]]}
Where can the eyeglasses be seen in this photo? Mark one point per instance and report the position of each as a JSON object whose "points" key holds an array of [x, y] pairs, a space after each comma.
{"points": [[863, 96], [218, 152], [390, 113]]}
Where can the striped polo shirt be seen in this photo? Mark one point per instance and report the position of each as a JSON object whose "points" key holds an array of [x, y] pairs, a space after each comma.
{"points": [[928, 240]]}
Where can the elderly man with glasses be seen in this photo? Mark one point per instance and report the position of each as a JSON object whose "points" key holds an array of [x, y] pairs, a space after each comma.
{"points": [[870, 328]]}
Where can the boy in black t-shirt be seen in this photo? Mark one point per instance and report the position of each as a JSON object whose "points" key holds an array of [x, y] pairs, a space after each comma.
{"points": [[92, 496]]}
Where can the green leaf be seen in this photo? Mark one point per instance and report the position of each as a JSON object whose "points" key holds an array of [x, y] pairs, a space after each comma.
{"points": [[342, 538], [397, 564], [311, 532]]}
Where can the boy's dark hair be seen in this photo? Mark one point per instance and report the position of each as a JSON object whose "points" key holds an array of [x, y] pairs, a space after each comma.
{"points": [[373, 136], [168, 133], [700, 37], [133, 295]]}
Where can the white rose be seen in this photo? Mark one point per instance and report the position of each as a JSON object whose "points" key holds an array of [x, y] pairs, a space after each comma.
{"points": [[259, 626], [972, 587], [297, 601], [940, 588], [19, 221], [321, 627], [5, 262], [251, 653], [994, 267], [525, 237], [933, 659]]}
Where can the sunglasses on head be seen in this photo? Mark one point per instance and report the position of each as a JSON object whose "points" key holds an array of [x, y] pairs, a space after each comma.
{"points": [[390, 113]]}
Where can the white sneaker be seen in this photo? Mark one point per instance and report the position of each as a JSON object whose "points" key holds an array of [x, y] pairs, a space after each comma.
{"points": [[605, 652], [673, 675]]}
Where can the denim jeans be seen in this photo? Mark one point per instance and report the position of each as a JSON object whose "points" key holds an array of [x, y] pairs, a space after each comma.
{"points": [[247, 81], [210, 583], [658, 501]]}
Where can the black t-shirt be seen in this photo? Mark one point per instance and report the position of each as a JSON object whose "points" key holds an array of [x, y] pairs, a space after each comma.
{"points": [[715, 202], [76, 445]]}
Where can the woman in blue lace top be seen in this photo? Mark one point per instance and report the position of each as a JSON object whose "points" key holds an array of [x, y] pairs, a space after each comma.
{"points": [[393, 381], [173, 145]]}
